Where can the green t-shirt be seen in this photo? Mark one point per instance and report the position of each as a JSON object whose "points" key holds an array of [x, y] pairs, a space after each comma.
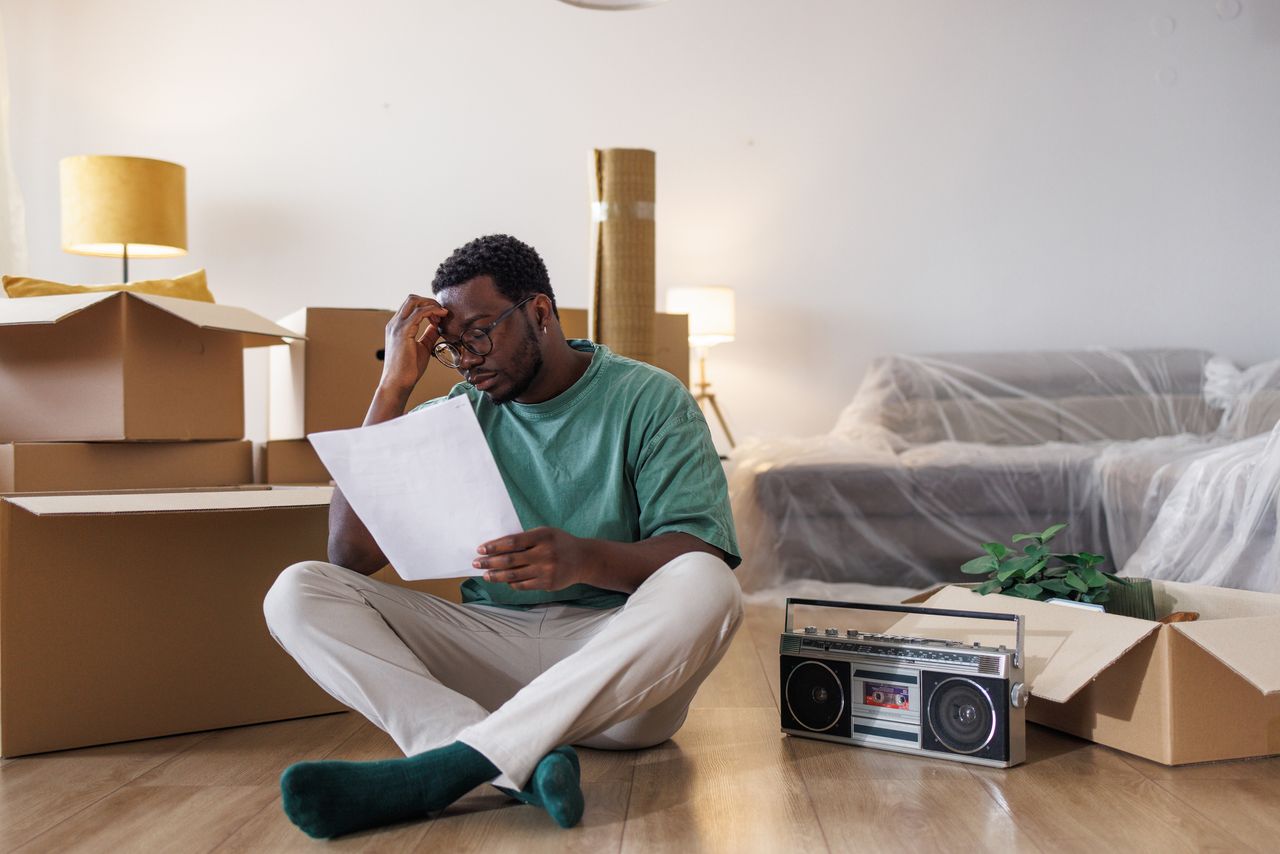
{"points": [[623, 454]]}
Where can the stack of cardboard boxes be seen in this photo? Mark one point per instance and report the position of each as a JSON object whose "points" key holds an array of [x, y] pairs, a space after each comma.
{"points": [[132, 614], [135, 547]]}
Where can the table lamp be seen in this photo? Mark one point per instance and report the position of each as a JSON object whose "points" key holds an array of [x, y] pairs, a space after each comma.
{"points": [[710, 313], [114, 207]]}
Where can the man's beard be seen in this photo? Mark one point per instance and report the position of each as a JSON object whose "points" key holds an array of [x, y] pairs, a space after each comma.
{"points": [[530, 358]]}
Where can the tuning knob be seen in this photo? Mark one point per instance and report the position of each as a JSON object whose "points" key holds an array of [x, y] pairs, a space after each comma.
{"points": [[831, 633], [810, 630], [1018, 695]]}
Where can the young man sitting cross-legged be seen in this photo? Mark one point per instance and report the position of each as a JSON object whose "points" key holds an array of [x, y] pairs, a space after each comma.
{"points": [[594, 626]]}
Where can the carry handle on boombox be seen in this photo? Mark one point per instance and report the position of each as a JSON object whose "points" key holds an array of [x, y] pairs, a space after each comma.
{"points": [[915, 609]]}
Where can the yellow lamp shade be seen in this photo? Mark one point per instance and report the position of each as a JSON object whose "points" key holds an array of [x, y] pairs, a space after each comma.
{"points": [[710, 313], [108, 202]]}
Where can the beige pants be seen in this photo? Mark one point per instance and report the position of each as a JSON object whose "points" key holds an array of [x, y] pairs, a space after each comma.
{"points": [[513, 684]]}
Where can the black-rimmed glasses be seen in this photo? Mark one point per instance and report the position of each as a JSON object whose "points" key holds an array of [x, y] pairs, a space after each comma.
{"points": [[476, 341]]}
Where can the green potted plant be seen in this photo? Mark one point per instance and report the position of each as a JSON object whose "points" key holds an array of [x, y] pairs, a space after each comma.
{"points": [[1036, 572]]}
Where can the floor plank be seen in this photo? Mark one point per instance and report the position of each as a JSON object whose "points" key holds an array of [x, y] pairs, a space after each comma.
{"points": [[738, 682], [763, 625], [38, 792], [253, 755], [1125, 814], [728, 781], [1245, 807], [722, 784], [155, 818]]}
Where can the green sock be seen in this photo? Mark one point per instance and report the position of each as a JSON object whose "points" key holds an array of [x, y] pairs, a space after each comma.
{"points": [[331, 798], [555, 787]]}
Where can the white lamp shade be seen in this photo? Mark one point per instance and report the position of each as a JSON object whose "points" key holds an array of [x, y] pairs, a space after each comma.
{"points": [[710, 313]]}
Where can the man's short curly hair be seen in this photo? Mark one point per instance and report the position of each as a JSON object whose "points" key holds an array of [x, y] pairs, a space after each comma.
{"points": [[516, 268]]}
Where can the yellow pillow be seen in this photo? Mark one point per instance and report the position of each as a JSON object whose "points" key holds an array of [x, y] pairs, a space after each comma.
{"points": [[191, 286]]}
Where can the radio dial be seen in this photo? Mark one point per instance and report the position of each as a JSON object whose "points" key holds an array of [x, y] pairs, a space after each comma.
{"points": [[1018, 695], [831, 633], [810, 630]]}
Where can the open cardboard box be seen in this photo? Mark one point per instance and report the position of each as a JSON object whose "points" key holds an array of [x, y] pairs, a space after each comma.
{"points": [[1175, 694], [125, 366], [139, 614], [99, 466]]}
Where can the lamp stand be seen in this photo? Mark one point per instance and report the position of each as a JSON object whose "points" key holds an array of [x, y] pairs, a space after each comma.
{"points": [[703, 394]]}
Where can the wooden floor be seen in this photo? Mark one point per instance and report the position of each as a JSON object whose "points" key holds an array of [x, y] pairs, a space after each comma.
{"points": [[727, 782]]}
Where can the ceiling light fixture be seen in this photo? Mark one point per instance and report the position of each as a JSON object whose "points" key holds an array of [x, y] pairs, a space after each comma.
{"points": [[613, 5]]}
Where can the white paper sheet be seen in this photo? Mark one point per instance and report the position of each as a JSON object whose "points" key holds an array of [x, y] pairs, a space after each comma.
{"points": [[425, 485]]}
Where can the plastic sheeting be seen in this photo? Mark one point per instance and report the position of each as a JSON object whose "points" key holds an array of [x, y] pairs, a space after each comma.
{"points": [[1146, 454]]}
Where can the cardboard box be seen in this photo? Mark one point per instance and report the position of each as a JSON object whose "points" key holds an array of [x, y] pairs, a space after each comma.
{"points": [[1175, 694], [134, 615], [100, 466], [289, 461], [671, 345], [124, 366], [327, 381]]}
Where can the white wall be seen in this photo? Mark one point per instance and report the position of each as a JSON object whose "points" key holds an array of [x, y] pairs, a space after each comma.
{"points": [[869, 176]]}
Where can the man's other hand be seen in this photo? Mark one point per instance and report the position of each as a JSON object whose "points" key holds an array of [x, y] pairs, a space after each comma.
{"points": [[541, 559]]}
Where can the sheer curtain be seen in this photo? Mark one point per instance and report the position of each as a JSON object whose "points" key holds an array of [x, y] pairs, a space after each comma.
{"points": [[13, 224]]}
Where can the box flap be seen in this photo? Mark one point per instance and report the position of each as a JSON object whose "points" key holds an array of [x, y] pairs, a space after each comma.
{"points": [[1213, 603], [1066, 648], [50, 309], [169, 502], [258, 331], [1247, 645]]}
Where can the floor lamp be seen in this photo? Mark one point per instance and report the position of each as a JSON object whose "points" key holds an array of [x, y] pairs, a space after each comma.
{"points": [[123, 207], [710, 313]]}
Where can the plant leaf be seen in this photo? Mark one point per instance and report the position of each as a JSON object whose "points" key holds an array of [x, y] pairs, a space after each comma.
{"points": [[1093, 577], [1091, 559], [1076, 582], [1035, 551], [1017, 538], [980, 565], [1029, 591], [1073, 560], [996, 550], [1124, 582], [1014, 566], [987, 587], [1057, 585], [1052, 531]]}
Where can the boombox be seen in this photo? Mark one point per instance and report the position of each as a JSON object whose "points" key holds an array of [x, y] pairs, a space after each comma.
{"points": [[931, 697]]}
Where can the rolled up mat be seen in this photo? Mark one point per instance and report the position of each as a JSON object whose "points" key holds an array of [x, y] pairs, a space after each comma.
{"points": [[622, 218]]}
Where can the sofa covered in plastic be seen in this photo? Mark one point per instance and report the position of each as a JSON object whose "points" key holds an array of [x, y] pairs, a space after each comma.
{"points": [[937, 454]]}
